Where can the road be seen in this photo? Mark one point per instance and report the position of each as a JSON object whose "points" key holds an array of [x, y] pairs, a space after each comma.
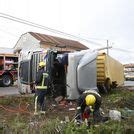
{"points": [[14, 91], [129, 83], [8, 91]]}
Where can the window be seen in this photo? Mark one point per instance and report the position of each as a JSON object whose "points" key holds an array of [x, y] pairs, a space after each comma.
{"points": [[25, 72]]}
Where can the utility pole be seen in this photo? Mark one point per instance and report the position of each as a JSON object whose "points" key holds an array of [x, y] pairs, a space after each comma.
{"points": [[107, 47]]}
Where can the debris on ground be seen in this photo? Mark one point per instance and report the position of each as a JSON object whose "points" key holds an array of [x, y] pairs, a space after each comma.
{"points": [[60, 115], [127, 112], [58, 99], [115, 115]]}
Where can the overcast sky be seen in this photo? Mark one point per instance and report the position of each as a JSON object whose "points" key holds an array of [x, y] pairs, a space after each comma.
{"points": [[94, 20]]}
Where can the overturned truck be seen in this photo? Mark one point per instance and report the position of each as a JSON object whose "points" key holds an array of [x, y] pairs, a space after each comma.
{"points": [[110, 73], [70, 73]]}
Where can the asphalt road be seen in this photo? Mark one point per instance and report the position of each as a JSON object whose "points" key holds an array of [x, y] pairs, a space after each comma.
{"points": [[14, 91], [129, 83], [8, 91]]}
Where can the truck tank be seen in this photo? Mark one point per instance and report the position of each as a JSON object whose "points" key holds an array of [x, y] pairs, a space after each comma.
{"points": [[110, 72]]}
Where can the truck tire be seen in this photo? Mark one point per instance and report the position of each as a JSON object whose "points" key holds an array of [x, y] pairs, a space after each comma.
{"points": [[6, 80], [107, 85]]}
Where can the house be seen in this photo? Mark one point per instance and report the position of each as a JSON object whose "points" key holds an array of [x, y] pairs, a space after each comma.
{"points": [[36, 40], [129, 71], [6, 50], [129, 67]]}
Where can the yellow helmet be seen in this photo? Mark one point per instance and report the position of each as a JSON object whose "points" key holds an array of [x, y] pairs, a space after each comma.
{"points": [[90, 100], [42, 64]]}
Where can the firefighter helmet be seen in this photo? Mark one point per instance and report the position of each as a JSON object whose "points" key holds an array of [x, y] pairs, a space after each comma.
{"points": [[90, 100], [42, 64]]}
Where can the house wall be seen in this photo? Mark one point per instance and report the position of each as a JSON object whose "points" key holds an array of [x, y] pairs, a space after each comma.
{"points": [[47, 45], [27, 42]]}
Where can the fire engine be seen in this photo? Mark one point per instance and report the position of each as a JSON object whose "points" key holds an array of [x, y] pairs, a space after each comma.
{"points": [[8, 69]]}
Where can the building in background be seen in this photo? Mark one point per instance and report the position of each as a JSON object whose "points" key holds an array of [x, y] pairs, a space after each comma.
{"points": [[129, 71], [6, 50], [36, 40]]}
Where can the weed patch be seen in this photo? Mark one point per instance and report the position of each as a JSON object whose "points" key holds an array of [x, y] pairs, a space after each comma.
{"points": [[53, 122]]}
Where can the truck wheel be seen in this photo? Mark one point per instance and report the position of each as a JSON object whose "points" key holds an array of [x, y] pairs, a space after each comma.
{"points": [[114, 84], [6, 80], [108, 85]]}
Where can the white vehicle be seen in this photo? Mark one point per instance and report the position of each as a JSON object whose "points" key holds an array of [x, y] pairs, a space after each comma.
{"points": [[69, 73]]}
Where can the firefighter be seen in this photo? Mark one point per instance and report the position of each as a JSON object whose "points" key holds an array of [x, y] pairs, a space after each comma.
{"points": [[91, 101], [40, 89]]}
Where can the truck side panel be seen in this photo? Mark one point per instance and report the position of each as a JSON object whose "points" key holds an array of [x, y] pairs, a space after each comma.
{"points": [[115, 70], [81, 73], [107, 67], [72, 89], [86, 72]]}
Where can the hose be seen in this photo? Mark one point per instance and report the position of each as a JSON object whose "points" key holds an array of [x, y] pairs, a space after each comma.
{"points": [[17, 110]]}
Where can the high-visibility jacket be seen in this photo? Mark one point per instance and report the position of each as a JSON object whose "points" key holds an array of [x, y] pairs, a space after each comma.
{"points": [[42, 86]]}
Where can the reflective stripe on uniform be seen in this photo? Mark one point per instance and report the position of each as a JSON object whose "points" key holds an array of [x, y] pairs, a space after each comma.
{"points": [[45, 75], [35, 104], [40, 87], [92, 91], [91, 108]]}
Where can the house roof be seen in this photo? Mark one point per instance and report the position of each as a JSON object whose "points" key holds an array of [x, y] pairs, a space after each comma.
{"points": [[61, 42], [131, 65], [6, 50]]}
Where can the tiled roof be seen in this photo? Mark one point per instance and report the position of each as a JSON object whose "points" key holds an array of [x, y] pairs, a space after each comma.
{"points": [[58, 41]]}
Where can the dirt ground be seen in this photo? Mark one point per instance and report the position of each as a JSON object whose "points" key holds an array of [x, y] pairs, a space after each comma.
{"points": [[23, 105], [21, 108]]}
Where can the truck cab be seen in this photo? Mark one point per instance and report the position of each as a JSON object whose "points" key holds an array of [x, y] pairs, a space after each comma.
{"points": [[70, 73], [56, 69]]}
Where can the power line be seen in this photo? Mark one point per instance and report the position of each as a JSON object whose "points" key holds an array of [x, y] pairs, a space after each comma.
{"points": [[9, 17], [8, 32], [12, 18], [100, 39], [123, 50]]}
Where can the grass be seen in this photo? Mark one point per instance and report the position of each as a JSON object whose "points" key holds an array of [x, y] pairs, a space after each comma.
{"points": [[24, 123]]}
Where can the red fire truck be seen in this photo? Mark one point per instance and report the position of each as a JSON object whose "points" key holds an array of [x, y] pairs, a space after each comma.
{"points": [[8, 69]]}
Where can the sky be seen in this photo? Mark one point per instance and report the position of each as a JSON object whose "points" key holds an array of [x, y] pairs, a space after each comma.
{"points": [[94, 20]]}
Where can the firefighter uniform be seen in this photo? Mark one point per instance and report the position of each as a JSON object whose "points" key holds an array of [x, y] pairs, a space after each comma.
{"points": [[41, 88], [89, 98]]}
